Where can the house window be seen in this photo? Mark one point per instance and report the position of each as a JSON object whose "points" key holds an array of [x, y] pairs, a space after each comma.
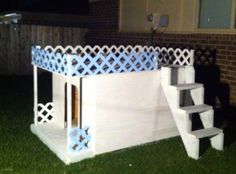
{"points": [[216, 14]]}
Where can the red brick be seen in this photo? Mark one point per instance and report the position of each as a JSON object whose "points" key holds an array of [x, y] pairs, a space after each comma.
{"points": [[104, 30]]}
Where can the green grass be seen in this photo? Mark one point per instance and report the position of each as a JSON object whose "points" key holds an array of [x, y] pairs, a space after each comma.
{"points": [[22, 152]]}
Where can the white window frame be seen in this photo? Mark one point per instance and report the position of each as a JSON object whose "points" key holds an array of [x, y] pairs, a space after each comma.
{"points": [[231, 30]]}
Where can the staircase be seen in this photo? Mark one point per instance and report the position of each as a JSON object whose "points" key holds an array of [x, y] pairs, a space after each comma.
{"points": [[185, 97]]}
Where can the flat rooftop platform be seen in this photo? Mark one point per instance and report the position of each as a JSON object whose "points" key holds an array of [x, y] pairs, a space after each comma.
{"points": [[56, 140]]}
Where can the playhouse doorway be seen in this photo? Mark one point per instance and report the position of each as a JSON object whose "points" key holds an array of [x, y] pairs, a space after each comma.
{"points": [[76, 120]]}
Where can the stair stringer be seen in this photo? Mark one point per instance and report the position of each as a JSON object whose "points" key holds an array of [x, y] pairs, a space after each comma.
{"points": [[207, 117], [197, 96], [181, 118], [182, 121]]}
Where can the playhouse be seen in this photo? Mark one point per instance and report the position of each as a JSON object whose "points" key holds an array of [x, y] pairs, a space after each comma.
{"points": [[113, 97]]}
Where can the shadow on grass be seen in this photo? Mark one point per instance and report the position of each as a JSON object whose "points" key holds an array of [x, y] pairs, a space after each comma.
{"points": [[224, 119], [217, 94]]}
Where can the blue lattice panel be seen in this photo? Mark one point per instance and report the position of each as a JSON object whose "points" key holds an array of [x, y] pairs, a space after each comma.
{"points": [[112, 63], [79, 139], [84, 61], [51, 61]]}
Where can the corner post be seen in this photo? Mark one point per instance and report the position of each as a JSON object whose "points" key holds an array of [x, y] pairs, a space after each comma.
{"points": [[35, 95], [69, 101]]}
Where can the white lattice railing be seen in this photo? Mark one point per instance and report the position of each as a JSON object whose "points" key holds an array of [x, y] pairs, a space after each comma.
{"points": [[45, 113], [83, 61]]}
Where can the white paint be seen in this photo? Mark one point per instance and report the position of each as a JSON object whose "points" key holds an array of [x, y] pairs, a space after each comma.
{"points": [[55, 138], [69, 104], [182, 115], [129, 109], [59, 83], [206, 132], [35, 95], [122, 110]]}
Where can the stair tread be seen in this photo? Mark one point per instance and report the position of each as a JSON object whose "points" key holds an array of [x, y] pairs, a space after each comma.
{"points": [[186, 86], [206, 132], [196, 108], [175, 66]]}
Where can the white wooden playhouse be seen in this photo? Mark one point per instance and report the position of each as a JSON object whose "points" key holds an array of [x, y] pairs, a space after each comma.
{"points": [[126, 96]]}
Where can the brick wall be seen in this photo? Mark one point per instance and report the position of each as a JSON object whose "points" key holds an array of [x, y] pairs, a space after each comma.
{"points": [[104, 15], [104, 31]]}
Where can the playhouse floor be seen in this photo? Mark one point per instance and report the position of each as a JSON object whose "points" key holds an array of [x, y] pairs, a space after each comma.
{"points": [[55, 138]]}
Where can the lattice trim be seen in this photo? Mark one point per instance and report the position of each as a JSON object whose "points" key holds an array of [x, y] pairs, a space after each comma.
{"points": [[79, 139], [205, 56], [50, 61], [45, 113], [83, 61]]}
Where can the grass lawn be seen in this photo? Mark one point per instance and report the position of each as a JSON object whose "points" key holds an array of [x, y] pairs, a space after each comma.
{"points": [[22, 152]]}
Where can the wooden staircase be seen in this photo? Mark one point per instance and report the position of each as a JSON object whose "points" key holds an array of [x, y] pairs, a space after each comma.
{"points": [[185, 98]]}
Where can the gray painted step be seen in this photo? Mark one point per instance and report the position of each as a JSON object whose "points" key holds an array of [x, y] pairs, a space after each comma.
{"points": [[196, 108], [188, 86], [175, 66], [206, 132]]}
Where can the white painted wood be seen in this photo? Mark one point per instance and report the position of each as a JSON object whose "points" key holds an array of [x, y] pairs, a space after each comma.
{"points": [[55, 138], [112, 109], [182, 115], [69, 110], [89, 107], [196, 108], [182, 119], [35, 95], [130, 109], [189, 73], [166, 75], [207, 118], [177, 75], [206, 132], [192, 147], [77, 85], [175, 66], [69, 104], [187, 86], [59, 95], [192, 60], [198, 95], [217, 141], [124, 110], [59, 83]]}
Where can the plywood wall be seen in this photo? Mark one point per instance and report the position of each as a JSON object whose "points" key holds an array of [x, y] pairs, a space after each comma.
{"points": [[128, 109], [15, 44]]}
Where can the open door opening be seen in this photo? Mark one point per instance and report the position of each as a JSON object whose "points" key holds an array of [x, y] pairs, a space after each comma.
{"points": [[76, 121]]}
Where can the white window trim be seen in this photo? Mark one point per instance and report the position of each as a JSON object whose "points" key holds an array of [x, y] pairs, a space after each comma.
{"points": [[231, 30], [192, 26]]}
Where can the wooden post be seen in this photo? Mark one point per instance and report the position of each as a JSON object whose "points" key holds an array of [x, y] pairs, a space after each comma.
{"points": [[69, 111], [69, 105], [192, 58], [69, 102], [80, 103], [35, 95]]}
